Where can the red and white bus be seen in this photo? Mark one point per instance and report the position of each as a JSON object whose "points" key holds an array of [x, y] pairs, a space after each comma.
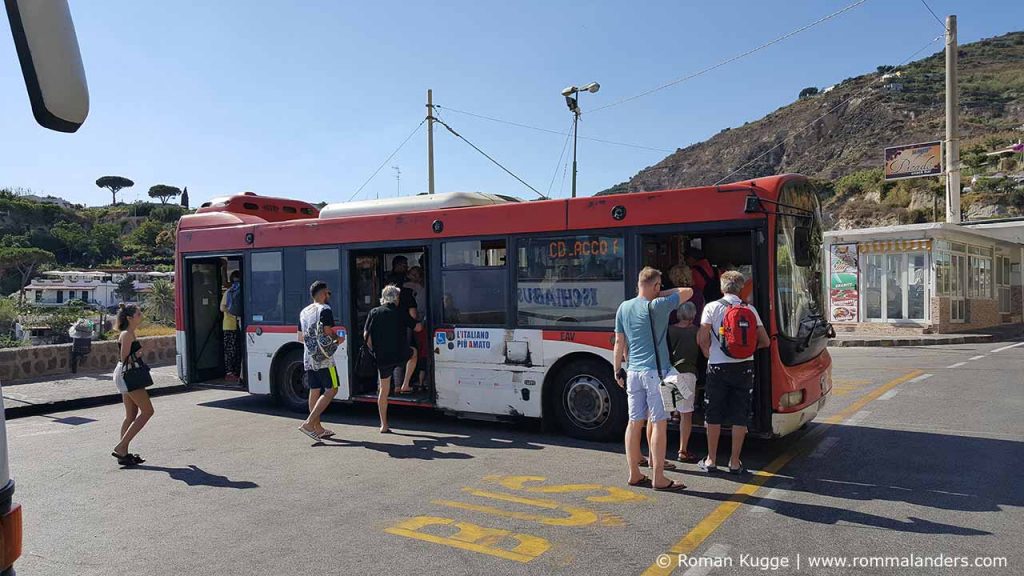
{"points": [[520, 296]]}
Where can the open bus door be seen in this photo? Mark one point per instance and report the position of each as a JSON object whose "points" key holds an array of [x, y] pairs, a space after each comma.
{"points": [[742, 249], [203, 334], [205, 280]]}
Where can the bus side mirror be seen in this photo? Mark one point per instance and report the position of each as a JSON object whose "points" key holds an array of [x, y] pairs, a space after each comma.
{"points": [[47, 47], [802, 246]]}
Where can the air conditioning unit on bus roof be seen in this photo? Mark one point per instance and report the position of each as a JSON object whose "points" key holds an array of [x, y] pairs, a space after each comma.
{"points": [[419, 203]]}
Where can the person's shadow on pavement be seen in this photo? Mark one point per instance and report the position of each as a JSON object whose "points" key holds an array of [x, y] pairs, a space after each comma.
{"points": [[196, 476]]}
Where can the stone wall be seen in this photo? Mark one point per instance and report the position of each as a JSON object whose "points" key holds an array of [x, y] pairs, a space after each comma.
{"points": [[37, 361], [981, 313]]}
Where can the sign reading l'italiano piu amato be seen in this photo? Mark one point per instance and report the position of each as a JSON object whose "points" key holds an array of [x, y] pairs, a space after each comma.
{"points": [[913, 160], [843, 295]]}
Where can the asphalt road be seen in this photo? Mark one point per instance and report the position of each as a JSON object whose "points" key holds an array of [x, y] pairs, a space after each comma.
{"points": [[917, 453]]}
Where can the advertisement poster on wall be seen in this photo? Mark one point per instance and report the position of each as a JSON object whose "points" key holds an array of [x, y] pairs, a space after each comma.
{"points": [[842, 294]]}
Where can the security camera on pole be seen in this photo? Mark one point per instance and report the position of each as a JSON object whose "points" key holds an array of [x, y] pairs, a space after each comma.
{"points": [[571, 95]]}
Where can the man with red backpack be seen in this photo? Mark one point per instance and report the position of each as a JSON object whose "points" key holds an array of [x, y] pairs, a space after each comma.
{"points": [[730, 332]]}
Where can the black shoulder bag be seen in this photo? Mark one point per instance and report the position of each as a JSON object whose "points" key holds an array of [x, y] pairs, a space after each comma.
{"points": [[366, 364], [136, 374]]}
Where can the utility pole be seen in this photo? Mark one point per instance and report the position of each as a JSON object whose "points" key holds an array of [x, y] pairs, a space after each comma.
{"points": [[575, 137], [430, 140], [952, 128]]}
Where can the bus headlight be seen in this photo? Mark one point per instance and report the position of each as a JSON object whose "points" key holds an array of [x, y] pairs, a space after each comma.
{"points": [[790, 399]]}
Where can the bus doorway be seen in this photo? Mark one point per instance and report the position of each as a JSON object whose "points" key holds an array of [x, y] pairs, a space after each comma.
{"points": [[676, 254], [371, 271], [206, 282]]}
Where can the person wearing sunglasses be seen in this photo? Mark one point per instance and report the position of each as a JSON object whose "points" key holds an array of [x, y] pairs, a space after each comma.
{"points": [[320, 340]]}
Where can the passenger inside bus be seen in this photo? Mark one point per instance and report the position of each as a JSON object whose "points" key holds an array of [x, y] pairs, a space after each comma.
{"points": [[678, 255], [373, 271]]}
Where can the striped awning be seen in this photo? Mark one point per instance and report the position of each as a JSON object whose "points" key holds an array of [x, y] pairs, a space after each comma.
{"points": [[880, 246]]}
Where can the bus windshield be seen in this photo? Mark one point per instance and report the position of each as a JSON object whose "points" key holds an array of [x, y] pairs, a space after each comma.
{"points": [[799, 287]]}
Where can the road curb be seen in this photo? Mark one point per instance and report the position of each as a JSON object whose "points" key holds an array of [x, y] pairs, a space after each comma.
{"points": [[887, 342], [80, 403]]}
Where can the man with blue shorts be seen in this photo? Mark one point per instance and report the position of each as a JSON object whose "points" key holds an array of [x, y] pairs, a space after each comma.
{"points": [[641, 327]]}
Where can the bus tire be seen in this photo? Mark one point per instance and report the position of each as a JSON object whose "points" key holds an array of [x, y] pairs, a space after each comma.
{"points": [[288, 388], [587, 401]]}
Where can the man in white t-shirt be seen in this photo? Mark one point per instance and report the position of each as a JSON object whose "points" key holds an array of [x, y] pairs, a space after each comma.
{"points": [[730, 381]]}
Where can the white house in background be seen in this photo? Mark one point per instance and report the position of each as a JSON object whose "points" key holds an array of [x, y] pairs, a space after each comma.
{"points": [[97, 287], [47, 200]]}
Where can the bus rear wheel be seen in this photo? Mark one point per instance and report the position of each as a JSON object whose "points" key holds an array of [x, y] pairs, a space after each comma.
{"points": [[288, 389], [588, 403]]}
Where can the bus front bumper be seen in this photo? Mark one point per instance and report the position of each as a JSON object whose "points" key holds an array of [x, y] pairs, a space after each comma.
{"points": [[787, 422]]}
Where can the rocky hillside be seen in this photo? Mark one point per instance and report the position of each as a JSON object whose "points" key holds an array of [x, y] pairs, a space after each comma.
{"points": [[888, 107]]}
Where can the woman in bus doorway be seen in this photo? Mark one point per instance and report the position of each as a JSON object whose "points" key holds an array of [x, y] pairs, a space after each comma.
{"points": [[386, 335], [137, 407]]}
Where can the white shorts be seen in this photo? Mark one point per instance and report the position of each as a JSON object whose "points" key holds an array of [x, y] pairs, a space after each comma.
{"points": [[643, 395], [119, 378], [678, 391]]}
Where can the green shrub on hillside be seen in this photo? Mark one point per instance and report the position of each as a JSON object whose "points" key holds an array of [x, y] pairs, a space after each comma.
{"points": [[859, 182]]}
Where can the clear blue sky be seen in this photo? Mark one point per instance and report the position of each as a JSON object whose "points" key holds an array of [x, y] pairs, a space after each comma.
{"points": [[306, 99]]}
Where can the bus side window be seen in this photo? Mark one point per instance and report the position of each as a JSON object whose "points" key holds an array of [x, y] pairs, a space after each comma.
{"points": [[267, 287], [473, 280]]}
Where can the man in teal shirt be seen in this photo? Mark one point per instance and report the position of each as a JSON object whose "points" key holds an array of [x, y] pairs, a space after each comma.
{"points": [[638, 322]]}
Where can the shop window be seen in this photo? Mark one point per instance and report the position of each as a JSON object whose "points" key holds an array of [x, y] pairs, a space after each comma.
{"points": [[1002, 274]]}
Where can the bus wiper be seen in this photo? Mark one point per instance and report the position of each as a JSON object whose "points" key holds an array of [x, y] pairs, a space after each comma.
{"points": [[810, 333]]}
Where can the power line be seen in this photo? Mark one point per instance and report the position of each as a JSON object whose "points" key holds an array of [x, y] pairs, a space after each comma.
{"points": [[550, 131], [486, 155], [388, 159], [565, 146], [819, 118], [934, 15], [731, 60]]}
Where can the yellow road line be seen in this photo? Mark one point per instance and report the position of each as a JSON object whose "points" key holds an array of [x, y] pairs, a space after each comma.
{"points": [[870, 397], [713, 521]]}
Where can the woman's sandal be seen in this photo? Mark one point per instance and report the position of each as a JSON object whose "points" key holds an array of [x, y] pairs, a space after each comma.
{"points": [[672, 486], [643, 482], [327, 433], [688, 457], [127, 459]]}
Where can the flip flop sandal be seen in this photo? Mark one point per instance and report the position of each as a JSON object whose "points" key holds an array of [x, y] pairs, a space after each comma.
{"points": [[741, 470], [644, 463], [327, 433], [673, 486], [670, 466], [643, 482], [310, 433], [703, 465], [137, 459]]}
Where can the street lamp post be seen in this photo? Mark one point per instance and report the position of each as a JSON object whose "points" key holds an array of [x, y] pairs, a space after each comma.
{"points": [[571, 100]]}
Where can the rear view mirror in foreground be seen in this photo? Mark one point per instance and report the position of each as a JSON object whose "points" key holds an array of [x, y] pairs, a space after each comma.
{"points": [[44, 36], [802, 246]]}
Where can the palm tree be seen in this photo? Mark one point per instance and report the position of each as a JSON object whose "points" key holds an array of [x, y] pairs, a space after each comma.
{"points": [[160, 301]]}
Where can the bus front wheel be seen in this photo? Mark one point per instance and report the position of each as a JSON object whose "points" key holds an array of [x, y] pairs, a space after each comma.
{"points": [[288, 388], [588, 403]]}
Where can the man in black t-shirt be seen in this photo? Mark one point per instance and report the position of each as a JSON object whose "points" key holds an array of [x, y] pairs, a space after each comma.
{"points": [[386, 334]]}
